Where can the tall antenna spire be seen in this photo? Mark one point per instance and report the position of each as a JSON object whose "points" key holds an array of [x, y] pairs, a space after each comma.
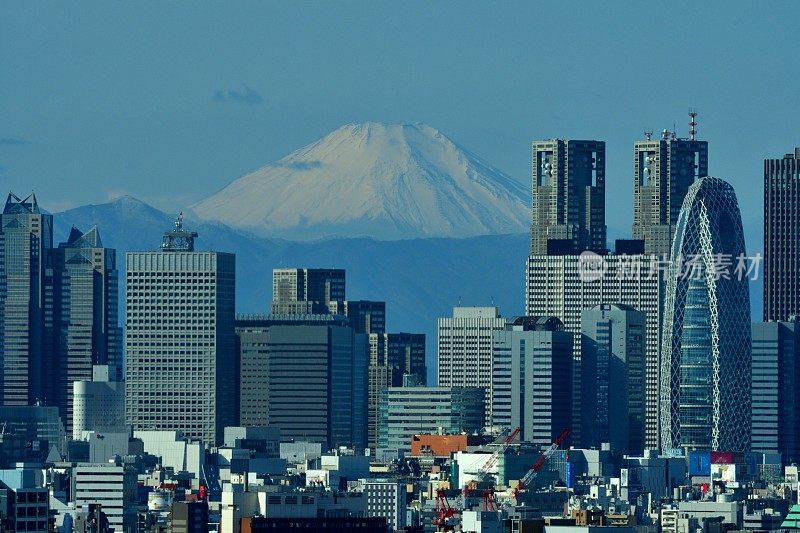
{"points": [[692, 124], [179, 239]]}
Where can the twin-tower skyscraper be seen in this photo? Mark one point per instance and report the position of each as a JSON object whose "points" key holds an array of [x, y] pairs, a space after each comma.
{"points": [[568, 219]]}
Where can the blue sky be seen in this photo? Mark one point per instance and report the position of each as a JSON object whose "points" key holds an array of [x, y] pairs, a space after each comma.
{"points": [[170, 101]]}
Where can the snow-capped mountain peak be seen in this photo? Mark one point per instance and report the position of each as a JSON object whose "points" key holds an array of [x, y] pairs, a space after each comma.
{"points": [[375, 180]]}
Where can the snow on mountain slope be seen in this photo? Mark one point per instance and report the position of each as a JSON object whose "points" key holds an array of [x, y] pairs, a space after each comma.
{"points": [[374, 180]]}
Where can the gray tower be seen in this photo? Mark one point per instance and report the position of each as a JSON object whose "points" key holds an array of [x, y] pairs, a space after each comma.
{"points": [[180, 342], [26, 302], [663, 171], [532, 378], [776, 389], [86, 314], [782, 237], [392, 357], [705, 360], [569, 214], [308, 378], [613, 377]]}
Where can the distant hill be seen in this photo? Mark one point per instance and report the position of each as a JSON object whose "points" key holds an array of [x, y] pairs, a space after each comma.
{"points": [[420, 279], [374, 180]]}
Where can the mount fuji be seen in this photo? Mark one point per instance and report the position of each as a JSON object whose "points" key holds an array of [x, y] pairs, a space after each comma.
{"points": [[373, 180]]}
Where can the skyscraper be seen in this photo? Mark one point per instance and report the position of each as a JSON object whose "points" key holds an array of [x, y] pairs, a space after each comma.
{"points": [[781, 237], [532, 378], [563, 287], [180, 342], [26, 302], [568, 188], [86, 314], [392, 356], [613, 377], [465, 349], [300, 291], [307, 379], [663, 170], [776, 389], [706, 366]]}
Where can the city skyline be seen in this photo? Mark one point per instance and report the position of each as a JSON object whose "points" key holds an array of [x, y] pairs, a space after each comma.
{"points": [[399, 267]]}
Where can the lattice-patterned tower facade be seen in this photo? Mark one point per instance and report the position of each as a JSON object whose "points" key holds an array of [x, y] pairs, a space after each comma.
{"points": [[706, 364]]}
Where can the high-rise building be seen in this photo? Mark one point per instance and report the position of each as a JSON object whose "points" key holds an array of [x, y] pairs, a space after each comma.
{"points": [[307, 379], [532, 378], [781, 235], [86, 305], [564, 286], [302, 291], [776, 389], [408, 411], [613, 377], [392, 356], [465, 349], [181, 371], [568, 196], [663, 170], [365, 316], [26, 302], [706, 365]]}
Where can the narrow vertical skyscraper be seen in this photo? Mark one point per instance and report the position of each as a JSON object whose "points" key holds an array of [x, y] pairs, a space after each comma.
{"points": [[776, 389], [568, 185], [781, 237], [613, 377], [392, 357], [86, 314], [532, 378], [706, 366], [181, 369], [26, 302], [465, 349], [663, 171]]}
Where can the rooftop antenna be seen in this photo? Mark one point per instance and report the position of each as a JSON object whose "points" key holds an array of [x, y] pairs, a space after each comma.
{"points": [[648, 135], [692, 124], [674, 134]]}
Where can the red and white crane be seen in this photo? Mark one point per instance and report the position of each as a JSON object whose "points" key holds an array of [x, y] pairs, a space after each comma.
{"points": [[445, 512], [530, 476]]}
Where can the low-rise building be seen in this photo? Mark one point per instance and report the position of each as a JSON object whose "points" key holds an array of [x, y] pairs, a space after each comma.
{"points": [[112, 486]]}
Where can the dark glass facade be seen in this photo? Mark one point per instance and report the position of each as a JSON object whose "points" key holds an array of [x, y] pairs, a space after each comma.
{"points": [[782, 237]]}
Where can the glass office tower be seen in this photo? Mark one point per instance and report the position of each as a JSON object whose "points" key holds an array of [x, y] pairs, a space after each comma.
{"points": [[706, 367]]}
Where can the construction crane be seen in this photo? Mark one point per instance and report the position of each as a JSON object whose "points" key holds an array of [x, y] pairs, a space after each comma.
{"points": [[530, 476], [445, 512], [484, 472]]}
